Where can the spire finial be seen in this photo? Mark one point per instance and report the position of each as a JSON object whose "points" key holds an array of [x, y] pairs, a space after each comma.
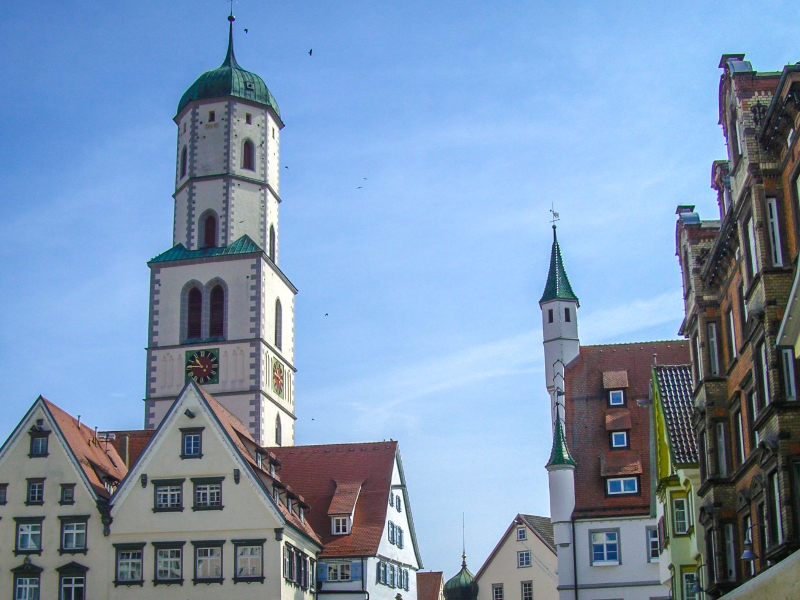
{"points": [[553, 215], [463, 543], [230, 57]]}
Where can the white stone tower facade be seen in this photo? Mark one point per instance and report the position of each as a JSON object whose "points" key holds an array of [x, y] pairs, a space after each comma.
{"points": [[221, 311]]}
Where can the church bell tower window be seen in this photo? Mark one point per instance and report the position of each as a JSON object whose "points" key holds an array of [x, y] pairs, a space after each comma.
{"points": [[248, 156], [210, 231], [216, 328], [184, 160], [194, 314], [278, 324], [272, 243]]}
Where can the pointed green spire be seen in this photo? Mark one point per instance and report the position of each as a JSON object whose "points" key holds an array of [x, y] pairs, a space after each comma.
{"points": [[230, 57], [557, 286], [559, 455]]}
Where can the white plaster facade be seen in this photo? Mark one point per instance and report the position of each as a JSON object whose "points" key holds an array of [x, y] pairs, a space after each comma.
{"points": [[502, 568]]}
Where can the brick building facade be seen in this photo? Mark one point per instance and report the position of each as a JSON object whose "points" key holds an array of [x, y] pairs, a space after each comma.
{"points": [[737, 275]]}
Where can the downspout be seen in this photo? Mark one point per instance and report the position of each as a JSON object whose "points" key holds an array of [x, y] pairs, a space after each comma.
{"points": [[574, 559]]}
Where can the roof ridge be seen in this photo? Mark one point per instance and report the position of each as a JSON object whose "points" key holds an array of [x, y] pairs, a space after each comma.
{"points": [[633, 343]]}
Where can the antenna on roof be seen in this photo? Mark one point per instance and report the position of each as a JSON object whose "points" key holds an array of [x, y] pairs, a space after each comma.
{"points": [[463, 543]]}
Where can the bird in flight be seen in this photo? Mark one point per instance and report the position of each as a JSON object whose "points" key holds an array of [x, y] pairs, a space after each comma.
{"points": [[359, 187], [310, 51], [245, 29], [286, 166]]}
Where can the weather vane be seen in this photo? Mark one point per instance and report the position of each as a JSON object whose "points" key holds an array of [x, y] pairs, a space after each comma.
{"points": [[554, 215]]}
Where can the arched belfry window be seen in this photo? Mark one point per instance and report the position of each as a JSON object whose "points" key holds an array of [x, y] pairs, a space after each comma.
{"points": [[184, 160], [278, 432], [249, 156], [194, 314], [278, 324], [272, 243], [216, 322], [210, 231]]}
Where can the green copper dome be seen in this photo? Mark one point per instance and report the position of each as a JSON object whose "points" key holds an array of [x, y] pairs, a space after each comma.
{"points": [[559, 454], [463, 586], [557, 286], [229, 80]]}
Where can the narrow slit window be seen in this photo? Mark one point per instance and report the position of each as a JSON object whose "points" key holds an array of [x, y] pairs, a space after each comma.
{"points": [[774, 232], [278, 325], [272, 243], [567, 317], [248, 156], [212, 116], [184, 161], [194, 314], [217, 313], [210, 231]]}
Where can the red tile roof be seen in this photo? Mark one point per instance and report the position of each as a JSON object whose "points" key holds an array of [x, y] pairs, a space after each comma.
{"points": [[344, 498], [429, 585], [618, 419], [130, 443], [585, 422], [98, 458], [315, 470]]}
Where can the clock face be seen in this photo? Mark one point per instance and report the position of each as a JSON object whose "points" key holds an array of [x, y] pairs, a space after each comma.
{"points": [[203, 365], [277, 377]]}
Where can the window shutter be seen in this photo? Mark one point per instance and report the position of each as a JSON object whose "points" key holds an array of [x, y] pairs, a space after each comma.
{"points": [[322, 572], [355, 570]]}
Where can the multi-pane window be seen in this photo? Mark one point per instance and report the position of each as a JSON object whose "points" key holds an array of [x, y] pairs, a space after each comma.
{"points": [[713, 349], [29, 536], [619, 439], [774, 232], [527, 590], [722, 457], [339, 572], [208, 563], [38, 445], [169, 496], [191, 443], [680, 517], [129, 564], [622, 485], [787, 367], [67, 493], [605, 548], [73, 587], [398, 504], [35, 491], [775, 525], [653, 547], [522, 533], [524, 558], [249, 561], [73, 536], [207, 494], [752, 401], [616, 398], [688, 586], [26, 588], [169, 564], [341, 525], [764, 372], [391, 532], [497, 591]]}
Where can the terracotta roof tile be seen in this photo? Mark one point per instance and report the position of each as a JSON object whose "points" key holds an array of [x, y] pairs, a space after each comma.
{"points": [[619, 463], [98, 459], [675, 387], [618, 419], [314, 471], [344, 498], [130, 443], [543, 526], [429, 585], [614, 380], [585, 421]]}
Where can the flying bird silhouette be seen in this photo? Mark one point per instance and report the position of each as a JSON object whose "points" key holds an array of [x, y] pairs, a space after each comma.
{"points": [[245, 30], [359, 187], [310, 51], [285, 167]]}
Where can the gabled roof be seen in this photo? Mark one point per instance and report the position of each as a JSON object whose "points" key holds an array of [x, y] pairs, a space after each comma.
{"points": [[541, 527], [557, 286], [316, 471], [98, 459], [675, 391], [429, 585], [244, 245]]}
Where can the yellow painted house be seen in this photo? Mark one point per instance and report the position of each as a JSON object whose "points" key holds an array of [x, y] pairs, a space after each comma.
{"points": [[677, 479]]}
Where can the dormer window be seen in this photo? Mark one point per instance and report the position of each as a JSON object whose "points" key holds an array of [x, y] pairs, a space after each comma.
{"points": [[619, 439], [302, 514], [340, 525], [289, 503], [259, 460], [616, 398]]}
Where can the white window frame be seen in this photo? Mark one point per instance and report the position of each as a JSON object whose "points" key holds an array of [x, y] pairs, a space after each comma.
{"points": [[747, 525], [208, 495], [688, 579], [208, 562], [523, 559], [526, 590], [73, 535], [609, 543], [167, 559], [623, 434], [612, 394], [732, 334], [339, 571], [713, 349], [522, 534], [31, 532], [789, 379], [680, 516], [26, 588], [774, 232], [651, 538], [722, 454], [497, 591], [776, 506], [249, 560], [130, 565], [764, 373], [698, 357], [730, 552], [169, 497], [69, 584], [340, 525], [751, 243], [740, 430], [623, 483]]}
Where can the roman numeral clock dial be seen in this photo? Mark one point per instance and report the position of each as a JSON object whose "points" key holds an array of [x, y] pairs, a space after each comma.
{"points": [[203, 365]]}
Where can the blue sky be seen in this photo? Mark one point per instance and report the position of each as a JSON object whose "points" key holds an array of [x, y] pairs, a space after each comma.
{"points": [[467, 119]]}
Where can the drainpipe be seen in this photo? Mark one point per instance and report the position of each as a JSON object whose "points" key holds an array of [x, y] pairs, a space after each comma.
{"points": [[574, 559]]}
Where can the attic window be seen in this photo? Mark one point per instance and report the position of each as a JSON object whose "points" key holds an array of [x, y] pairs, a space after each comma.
{"points": [[616, 398], [212, 116], [38, 442], [249, 85], [522, 534], [340, 525], [302, 514], [248, 118]]}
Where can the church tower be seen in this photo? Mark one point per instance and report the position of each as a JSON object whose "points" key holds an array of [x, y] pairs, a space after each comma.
{"points": [[221, 310], [559, 306]]}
